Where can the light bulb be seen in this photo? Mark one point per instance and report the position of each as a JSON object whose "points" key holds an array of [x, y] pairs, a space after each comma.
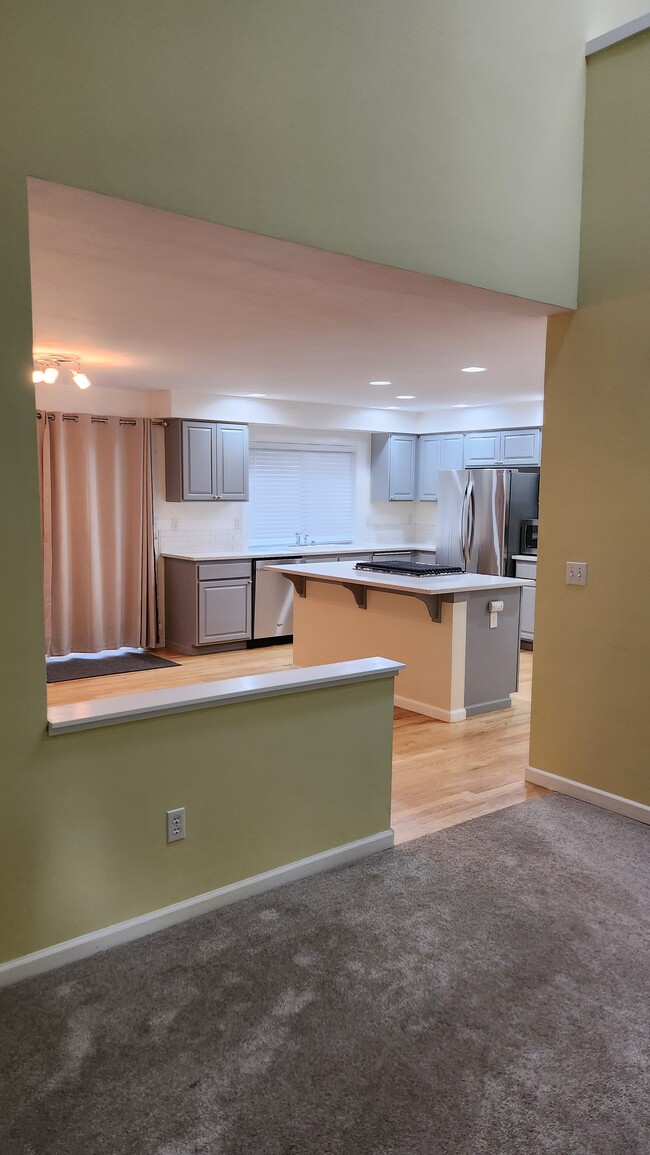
{"points": [[50, 375], [38, 376], [81, 380]]}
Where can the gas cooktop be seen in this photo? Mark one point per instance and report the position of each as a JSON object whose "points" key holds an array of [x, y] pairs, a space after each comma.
{"points": [[409, 568]]}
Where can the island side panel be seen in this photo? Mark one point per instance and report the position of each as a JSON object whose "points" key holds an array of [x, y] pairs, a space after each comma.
{"points": [[329, 627], [492, 655]]}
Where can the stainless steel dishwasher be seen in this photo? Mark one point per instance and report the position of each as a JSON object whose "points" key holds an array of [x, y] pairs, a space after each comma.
{"points": [[273, 604]]}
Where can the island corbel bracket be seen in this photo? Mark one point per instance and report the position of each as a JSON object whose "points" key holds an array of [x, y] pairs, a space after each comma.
{"points": [[359, 593], [299, 582], [433, 602]]}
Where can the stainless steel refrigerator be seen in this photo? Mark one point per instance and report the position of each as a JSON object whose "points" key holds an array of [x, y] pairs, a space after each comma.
{"points": [[480, 512]]}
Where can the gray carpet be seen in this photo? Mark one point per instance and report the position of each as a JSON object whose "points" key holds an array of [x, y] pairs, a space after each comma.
{"points": [[482, 991]]}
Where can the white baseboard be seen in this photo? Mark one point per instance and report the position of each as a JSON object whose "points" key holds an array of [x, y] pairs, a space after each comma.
{"points": [[430, 711], [87, 944], [626, 806]]}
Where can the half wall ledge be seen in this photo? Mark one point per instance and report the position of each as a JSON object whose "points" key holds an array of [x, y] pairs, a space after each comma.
{"points": [[206, 695]]}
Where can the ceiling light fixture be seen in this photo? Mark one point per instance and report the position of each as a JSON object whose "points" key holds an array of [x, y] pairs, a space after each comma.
{"points": [[47, 366], [380, 382], [462, 405], [474, 369], [405, 397], [254, 394]]}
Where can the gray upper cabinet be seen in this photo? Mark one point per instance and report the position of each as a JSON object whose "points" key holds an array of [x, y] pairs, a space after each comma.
{"points": [[503, 447], [232, 462], [481, 449], [521, 446], [436, 451], [199, 460], [206, 461], [224, 611], [393, 460], [429, 450], [451, 450]]}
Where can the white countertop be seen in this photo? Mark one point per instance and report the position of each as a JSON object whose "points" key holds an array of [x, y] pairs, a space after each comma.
{"points": [[344, 571], [294, 551]]}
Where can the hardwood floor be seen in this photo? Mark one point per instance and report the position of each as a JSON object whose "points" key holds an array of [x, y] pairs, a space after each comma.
{"points": [[442, 774]]}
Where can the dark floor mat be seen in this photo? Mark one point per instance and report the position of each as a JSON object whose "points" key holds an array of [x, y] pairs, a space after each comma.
{"points": [[74, 668]]}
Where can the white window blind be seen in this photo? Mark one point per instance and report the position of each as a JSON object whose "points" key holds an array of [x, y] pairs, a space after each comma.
{"points": [[301, 490]]}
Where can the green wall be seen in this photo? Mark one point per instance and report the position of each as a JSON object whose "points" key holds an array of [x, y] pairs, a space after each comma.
{"points": [[443, 138], [591, 721], [437, 137]]}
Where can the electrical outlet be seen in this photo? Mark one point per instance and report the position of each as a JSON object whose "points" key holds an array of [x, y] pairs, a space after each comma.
{"points": [[174, 523], [236, 523], [576, 573], [176, 824]]}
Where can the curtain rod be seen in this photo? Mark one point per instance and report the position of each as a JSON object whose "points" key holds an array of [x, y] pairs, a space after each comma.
{"points": [[101, 420]]}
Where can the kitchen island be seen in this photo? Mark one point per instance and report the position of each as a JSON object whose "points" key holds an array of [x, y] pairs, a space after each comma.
{"points": [[457, 635]]}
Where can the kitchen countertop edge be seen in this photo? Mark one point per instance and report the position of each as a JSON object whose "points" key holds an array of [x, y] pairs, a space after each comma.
{"points": [[291, 551], [345, 573]]}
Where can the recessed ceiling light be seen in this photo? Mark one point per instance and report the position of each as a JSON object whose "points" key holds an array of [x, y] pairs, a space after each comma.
{"points": [[380, 382], [254, 394], [474, 369], [463, 405], [405, 397], [393, 407]]}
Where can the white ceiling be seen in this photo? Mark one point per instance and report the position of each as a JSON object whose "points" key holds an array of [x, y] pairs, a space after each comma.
{"points": [[152, 300]]}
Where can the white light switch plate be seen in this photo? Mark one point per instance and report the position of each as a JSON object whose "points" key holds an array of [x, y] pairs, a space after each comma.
{"points": [[576, 573]]}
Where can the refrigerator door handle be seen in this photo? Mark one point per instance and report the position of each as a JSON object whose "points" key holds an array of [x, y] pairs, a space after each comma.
{"points": [[471, 519], [463, 525]]}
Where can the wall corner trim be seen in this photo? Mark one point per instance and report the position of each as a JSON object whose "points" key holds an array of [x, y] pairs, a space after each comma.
{"points": [[626, 806], [616, 35], [16, 970]]}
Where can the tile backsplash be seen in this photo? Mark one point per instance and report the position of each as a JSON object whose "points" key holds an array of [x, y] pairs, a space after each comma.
{"points": [[181, 534]]}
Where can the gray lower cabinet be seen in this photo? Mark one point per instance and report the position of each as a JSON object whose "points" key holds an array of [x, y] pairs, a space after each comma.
{"points": [[206, 461], [224, 611], [208, 605], [527, 569]]}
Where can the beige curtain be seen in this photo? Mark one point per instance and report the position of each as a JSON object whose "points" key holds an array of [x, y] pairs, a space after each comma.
{"points": [[97, 531]]}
